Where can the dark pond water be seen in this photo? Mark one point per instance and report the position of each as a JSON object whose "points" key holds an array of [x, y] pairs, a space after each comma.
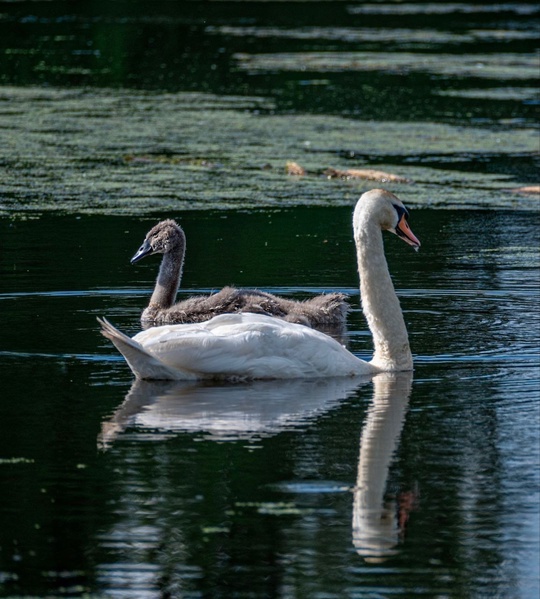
{"points": [[401, 486], [114, 115]]}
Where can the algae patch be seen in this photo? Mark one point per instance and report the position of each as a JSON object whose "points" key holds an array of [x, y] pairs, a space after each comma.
{"points": [[129, 152]]}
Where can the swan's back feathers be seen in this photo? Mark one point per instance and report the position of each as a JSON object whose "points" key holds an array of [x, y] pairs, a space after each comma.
{"points": [[235, 346], [251, 346]]}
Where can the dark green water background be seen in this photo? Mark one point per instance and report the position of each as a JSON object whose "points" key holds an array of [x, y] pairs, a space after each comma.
{"points": [[114, 115]]}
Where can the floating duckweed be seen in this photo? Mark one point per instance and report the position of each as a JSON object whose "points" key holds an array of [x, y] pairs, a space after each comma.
{"points": [[129, 152]]}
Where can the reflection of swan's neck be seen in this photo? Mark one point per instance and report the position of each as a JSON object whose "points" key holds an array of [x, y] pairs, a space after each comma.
{"points": [[379, 300], [375, 529], [168, 280]]}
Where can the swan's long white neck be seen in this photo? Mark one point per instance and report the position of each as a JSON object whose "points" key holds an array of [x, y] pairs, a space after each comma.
{"points": [[379, 300], [168, 280]]}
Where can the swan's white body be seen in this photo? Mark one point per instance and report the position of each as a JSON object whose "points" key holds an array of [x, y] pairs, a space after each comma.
{"points": [[256, 346], [235, 346]]}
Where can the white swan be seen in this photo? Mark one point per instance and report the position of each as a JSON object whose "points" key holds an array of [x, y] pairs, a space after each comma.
{"points": [[255, 346]]}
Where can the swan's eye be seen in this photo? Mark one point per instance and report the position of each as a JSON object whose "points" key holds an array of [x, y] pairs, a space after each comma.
{"points": [[401, 212]]}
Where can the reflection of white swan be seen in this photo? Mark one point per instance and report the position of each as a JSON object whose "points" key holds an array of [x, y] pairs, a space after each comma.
{"points": [[375, 529], [225, 411], [258, 346]]}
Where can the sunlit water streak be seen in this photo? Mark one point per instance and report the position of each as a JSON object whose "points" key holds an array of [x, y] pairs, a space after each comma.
{"points": [[524, 289], [444, 8]]}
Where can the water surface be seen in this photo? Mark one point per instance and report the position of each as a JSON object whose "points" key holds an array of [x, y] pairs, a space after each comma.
{"points": [[407, 484]]}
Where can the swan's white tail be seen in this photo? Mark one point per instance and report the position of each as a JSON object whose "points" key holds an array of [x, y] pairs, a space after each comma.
{"points": [[143, 364]]}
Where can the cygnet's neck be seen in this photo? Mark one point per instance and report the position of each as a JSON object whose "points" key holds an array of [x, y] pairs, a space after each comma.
{"points": [[379, 300], [168, 280]]}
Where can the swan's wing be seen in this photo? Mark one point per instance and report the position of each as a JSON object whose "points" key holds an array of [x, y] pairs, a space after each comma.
{"points": [[250, 346], [143, 364]]}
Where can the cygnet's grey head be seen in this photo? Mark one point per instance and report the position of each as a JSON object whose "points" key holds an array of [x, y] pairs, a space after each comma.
{"points": [[167, 236]]}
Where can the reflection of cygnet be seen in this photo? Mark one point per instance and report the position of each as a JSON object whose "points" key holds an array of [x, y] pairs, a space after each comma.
{"points": [[375, 526]]}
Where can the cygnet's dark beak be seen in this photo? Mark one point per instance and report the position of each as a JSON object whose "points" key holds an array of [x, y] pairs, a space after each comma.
{"points": [[144, 250]]}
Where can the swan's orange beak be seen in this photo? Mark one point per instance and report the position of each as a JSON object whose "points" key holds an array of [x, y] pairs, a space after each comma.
{"points": [[404, 231]]}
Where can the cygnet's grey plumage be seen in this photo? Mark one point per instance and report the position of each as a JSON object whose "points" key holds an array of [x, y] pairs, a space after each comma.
{"points": [[327, 312]]}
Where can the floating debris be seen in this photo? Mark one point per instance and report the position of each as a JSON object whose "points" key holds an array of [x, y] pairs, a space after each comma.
{"points": [[528, 190], [293, 168], [369, 174]]}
